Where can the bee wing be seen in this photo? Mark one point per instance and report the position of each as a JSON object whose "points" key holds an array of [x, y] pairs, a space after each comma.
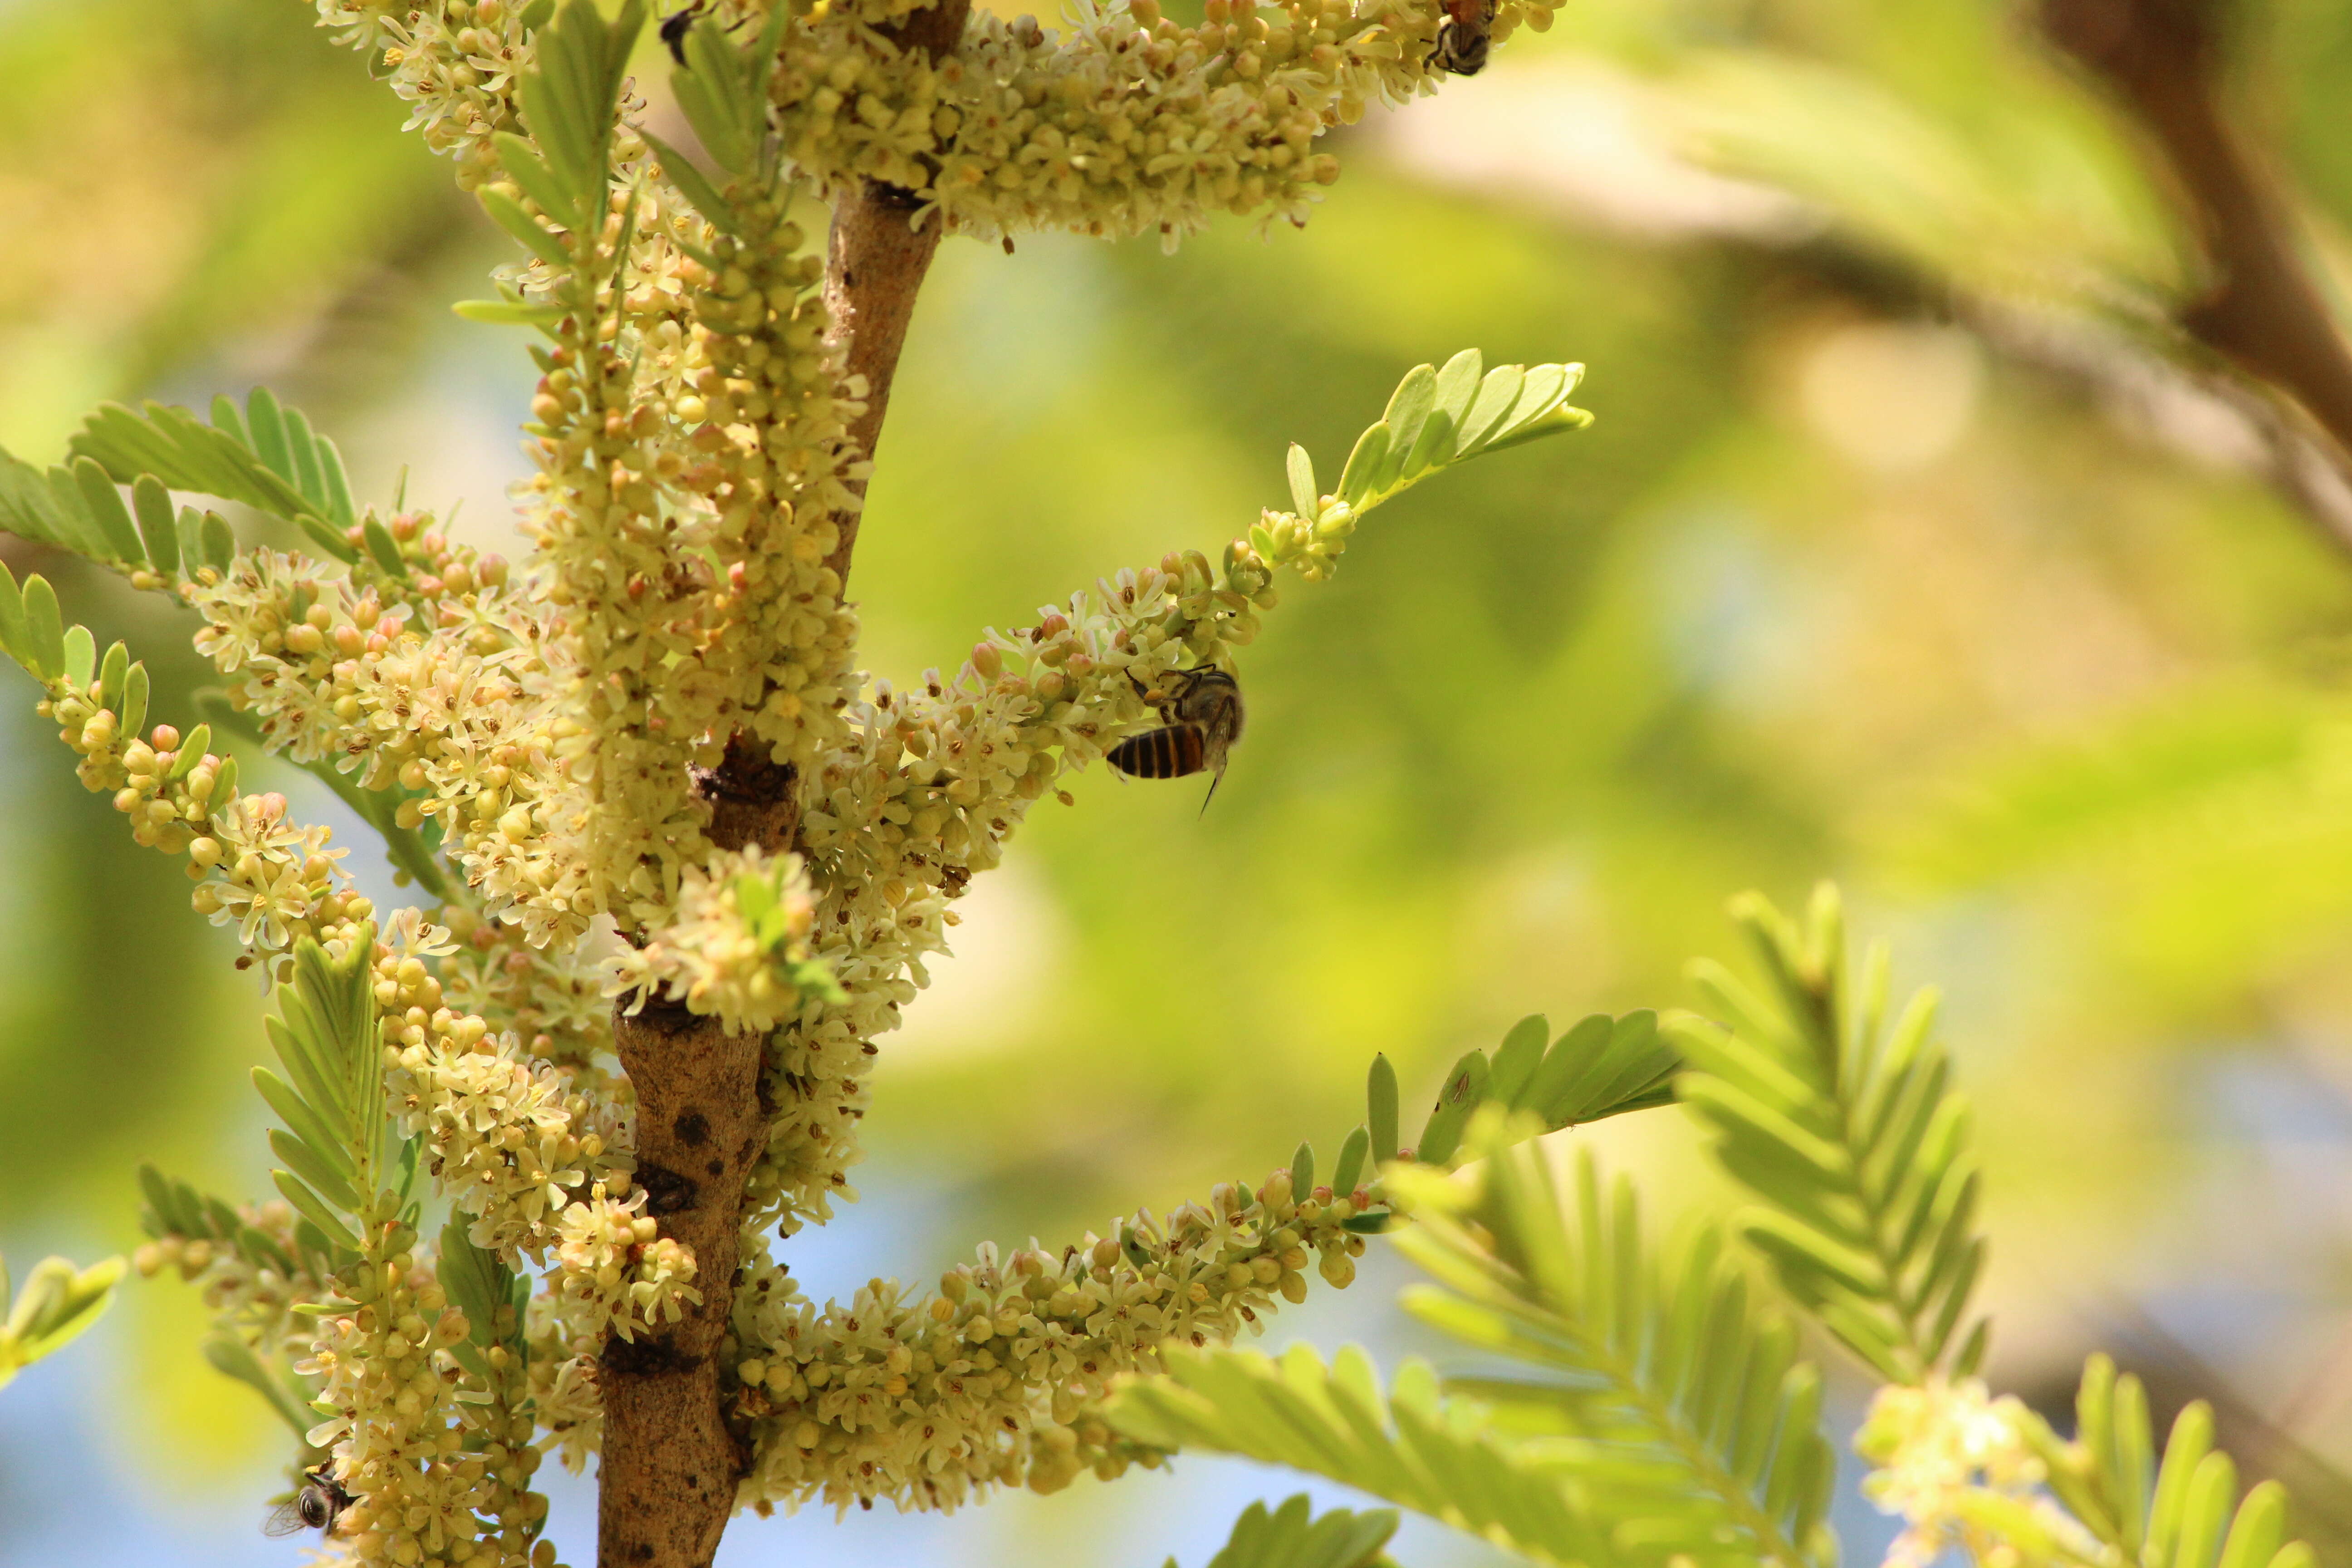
{"points": [[283, 1519]]}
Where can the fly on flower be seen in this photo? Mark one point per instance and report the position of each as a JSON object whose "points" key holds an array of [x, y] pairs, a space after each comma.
{"points": [[1201, 719], [317, 1504]]}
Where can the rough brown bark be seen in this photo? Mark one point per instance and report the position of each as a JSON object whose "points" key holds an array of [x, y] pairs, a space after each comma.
{"points": [[669, 1466], [875, 263], [666, 1485], [2262, 312]]}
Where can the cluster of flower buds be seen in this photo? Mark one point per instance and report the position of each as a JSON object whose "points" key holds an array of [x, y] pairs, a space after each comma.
{"points": [[991, 1381], [464, 720], [1955, 1465], [1130, 124], [274, 880], [248, 1270], [509, 1137], [615, 1273], [736, 949], [398, 1439]]}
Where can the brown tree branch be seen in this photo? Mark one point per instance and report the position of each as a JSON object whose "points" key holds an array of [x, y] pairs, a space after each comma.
{"points": [[874, 264], [668, 1475], [2262, 312], [665, 1488]]}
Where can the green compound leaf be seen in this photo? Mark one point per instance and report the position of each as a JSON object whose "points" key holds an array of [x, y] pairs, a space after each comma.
{"points": [[266, 458], [2183, 1513], [338, 1142], [1291, 1536], [1847, 1132], [1408, 1446], [1440, 417], [1680, 1405], [58, 1304], [570, 102], [1603, 1067]]}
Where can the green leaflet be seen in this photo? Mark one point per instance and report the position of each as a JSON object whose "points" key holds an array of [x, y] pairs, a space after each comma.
{"points": [[2185, 1512], [58, 1304], [232, 1357], [338, 1143], [492, 1295], [1603, 1067], [266, 456], [1679, 1403], [1848, 1133], [1440, 416], [1408, 1446], [1291, 1537]]}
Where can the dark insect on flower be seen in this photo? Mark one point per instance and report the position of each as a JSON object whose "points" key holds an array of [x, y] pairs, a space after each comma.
{"points": [[673, 30], [1201, 719], [315, 1505], [1462, 41], [675, 27]]}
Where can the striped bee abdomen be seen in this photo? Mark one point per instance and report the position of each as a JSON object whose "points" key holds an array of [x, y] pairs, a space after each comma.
{"points": [[1168, 753]]}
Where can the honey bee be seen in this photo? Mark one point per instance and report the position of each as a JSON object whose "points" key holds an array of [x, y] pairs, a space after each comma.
{"points": [[1201, 719], [315, 1505], [1462, 41]]}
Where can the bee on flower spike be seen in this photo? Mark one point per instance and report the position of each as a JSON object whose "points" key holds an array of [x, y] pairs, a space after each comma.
{"points": [[319, 1501], [1201, 719], [1462, 41]]}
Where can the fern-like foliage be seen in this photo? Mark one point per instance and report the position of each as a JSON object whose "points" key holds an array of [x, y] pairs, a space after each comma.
{"points": [[1410, 1446], [1675, 1400], [1292, 1536], [1440, 416], [343, 1160], [265, 456], [1603, 1067], [58, 1304], [2185, 1512], [1848, 1131], [1671, 1418]]}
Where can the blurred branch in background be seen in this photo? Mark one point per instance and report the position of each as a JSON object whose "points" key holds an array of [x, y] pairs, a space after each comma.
{"points": [[2150, 256], [2260, 309]]}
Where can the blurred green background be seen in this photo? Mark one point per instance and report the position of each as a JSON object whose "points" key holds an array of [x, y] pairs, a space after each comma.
{"points": [[1895, 555]]}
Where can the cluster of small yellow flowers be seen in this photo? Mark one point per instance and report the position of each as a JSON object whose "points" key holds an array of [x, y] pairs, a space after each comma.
{"points": [[453, 61], [737, 947], [251, 1271], [508, 1136], [276, 882], [463, 717], [693, 462], [634, 605], [1943, 1448], [399, 1436], [1129, 123], [991, 1381], [616, 1272], [552, 997], [767, 412]]}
